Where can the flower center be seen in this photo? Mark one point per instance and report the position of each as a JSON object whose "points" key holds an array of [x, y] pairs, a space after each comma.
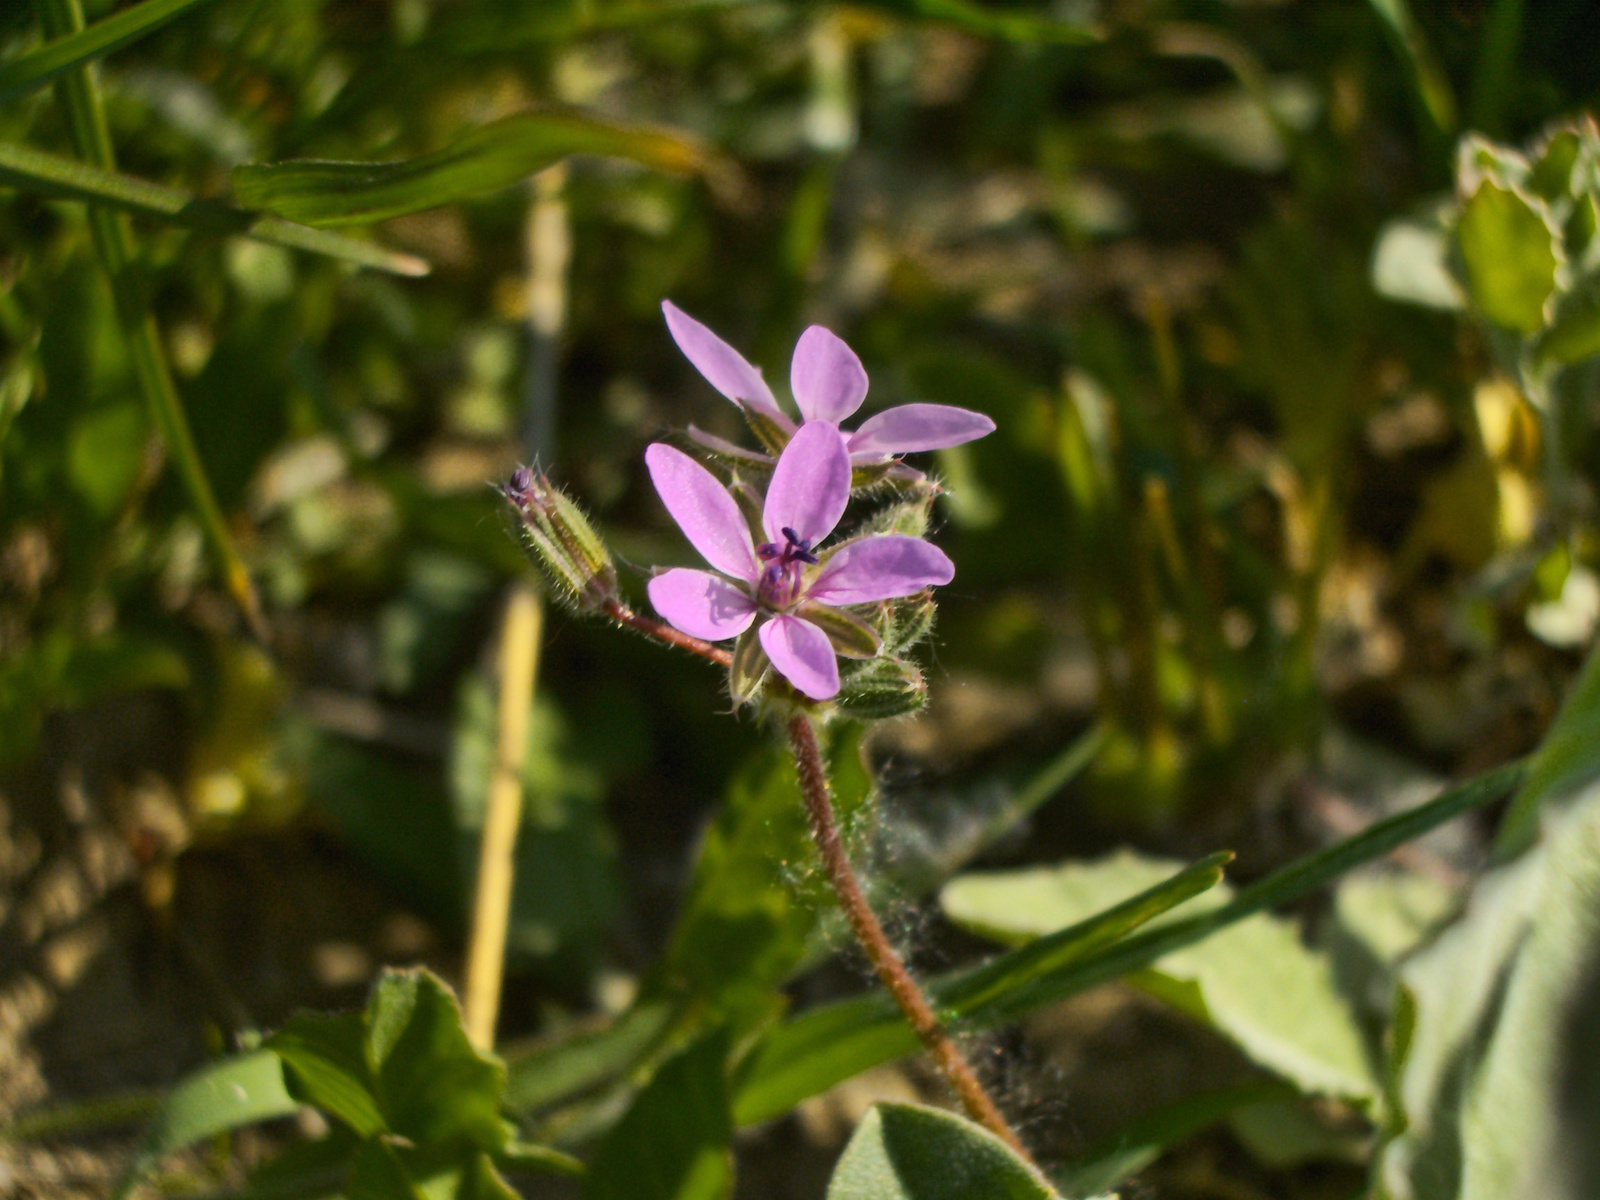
{"points": [[779, 586]]}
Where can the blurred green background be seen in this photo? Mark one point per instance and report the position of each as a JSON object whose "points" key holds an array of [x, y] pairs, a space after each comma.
{"points": [[1255, 515]]}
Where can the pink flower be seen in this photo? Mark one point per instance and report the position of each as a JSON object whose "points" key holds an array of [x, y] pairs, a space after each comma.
{"points": [[829, 384], [770, 583]]}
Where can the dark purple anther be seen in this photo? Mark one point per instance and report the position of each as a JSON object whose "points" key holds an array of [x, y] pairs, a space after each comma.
{"points": [[780, 582]]}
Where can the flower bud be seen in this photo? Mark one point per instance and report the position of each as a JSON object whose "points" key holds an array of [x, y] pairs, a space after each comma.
{"points": [[908, 621], [561, 543], [882, 688]]}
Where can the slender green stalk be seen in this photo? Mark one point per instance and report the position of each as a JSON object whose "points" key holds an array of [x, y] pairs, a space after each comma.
{"points": [[113, 240]]}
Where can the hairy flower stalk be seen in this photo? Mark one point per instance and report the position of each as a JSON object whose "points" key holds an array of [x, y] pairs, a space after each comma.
{"points": [[875, 944]]}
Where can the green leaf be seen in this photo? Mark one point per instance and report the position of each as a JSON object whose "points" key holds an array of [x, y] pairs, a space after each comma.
{"points": [[105, 454], [546, 1073], [326, 1063], [829, 1044], [395, 816], [752, 906], [567, 891], [822, 1047], [1141, 1143], [39, 67], [403, 1066], [432, 1084], [1017, 907], [908, 1152], [485, 159], [1391, 913], [1574, 330], [36, 172], [393, 1170], [1511, 250], [1255, 981], [376, 1174], [1567, 759], [1504, 1001], [674, 1142], [238, 1091]]}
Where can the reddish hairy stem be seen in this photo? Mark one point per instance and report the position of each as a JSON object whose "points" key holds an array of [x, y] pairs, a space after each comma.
{"points": [[662, 632], [819, 811]]}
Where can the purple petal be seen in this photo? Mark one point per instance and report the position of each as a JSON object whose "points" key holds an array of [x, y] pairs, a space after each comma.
{"points": [[910, 427], [828, 379], [698, 602], [810, 485], [724, 367], [707, 514], [802, 654], [880, 568]]}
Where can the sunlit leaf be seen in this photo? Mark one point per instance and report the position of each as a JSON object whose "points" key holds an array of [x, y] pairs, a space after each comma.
{"points": [[1503, 999], [403, 1066], [1511, 253], [1255, 981], [1411, 262]]}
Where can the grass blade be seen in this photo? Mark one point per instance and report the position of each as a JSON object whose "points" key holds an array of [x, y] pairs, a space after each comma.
{"points": [[544, 1074], [486, 159], [836, 1041], [831, 1043], [39, 67], [30, 170], [113, 242], [238, 1091]]}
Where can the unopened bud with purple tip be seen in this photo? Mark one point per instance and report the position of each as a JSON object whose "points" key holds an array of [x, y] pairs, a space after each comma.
{"points": [[562, 544]]}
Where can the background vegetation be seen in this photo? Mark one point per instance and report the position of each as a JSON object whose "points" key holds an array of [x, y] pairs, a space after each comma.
{"points": [[1288, 518]]}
